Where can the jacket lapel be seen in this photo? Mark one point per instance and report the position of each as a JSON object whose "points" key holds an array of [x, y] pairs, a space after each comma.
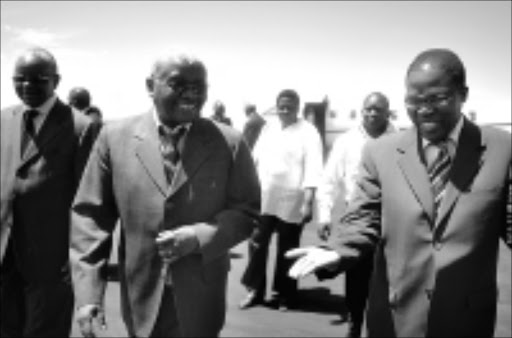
{"points": [[415, 172], [58, 120], [198, 147], [16, 134], [466, 164], [148, 152]]}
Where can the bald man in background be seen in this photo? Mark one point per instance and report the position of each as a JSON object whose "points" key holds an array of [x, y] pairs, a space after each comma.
{"points": [[337, 186], [44, 147], [433, 202]]}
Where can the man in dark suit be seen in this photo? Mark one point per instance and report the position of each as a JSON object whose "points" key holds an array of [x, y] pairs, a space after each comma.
{"points": [[80, 99], [185, 190], [436, 196], [253, 126], [44, 147]]}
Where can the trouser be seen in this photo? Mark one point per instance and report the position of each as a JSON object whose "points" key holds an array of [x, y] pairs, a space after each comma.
{"points": [[167, 324], [357, 280], [288, 237], [31, 308]]}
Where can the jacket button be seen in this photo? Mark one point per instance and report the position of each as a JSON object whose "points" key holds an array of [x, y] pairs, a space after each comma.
{"points": [[438, 244]]}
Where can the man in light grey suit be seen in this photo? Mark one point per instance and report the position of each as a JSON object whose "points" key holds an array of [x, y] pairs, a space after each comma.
{"points": [[434, 201], [185, 191]]}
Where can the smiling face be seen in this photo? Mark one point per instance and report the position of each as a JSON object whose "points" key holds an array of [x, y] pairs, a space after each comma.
{"points": [[436, 92], [178, 89], [35, 77]]}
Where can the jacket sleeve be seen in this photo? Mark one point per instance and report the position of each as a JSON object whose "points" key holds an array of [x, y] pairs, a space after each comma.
{"points": [[507, 226], [93, 218], [237, 220], [358, 231]]}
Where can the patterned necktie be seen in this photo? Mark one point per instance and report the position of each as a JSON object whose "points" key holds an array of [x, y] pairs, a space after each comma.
{"points": [[169, 146], [29, 129], [438, 174]]}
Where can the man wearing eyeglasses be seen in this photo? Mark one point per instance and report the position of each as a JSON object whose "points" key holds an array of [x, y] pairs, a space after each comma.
{"points": [[433, 202], [337, 187], [44, 147], [185, 190]]}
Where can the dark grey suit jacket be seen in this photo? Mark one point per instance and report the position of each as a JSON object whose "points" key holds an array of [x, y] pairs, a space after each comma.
{"points": [[217, 190], [37, 189]]}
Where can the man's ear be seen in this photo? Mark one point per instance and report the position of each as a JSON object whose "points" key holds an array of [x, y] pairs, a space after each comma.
{"points": [[150, 85], [464, 93], [56, 81]]}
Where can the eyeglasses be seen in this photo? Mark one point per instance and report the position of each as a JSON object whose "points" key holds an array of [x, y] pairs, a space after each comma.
{"points": [[35, 80], [180, 86], [437, 100]]}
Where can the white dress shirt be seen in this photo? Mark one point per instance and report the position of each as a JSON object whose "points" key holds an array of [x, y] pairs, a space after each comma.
{"points": [[288, 161], [340, 172], [43, 110]]}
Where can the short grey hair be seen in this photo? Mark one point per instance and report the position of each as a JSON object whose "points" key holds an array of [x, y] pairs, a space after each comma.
{"points": [[177, 58]]}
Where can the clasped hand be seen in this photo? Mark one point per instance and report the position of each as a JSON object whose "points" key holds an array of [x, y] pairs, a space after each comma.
{"points": [[176, 243], [88, 317], [310, 259]]}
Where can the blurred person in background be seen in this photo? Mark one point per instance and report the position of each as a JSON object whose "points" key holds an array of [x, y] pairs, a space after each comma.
{"points": [[288, 157], [80, 99], [253, 125], [338, 185], [219, 113]]}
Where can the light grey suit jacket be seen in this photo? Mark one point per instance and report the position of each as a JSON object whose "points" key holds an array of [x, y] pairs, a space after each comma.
{"points": [[217, 189], [431, 277]]}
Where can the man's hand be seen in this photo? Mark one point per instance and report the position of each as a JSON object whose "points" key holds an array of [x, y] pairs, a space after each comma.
{"points": [[310, 259], [88, 316], [174, 244], [324, 231]]}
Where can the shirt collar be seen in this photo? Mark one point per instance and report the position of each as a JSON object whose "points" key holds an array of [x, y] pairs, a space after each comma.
{"points": [[453, 137], [45, 108]]}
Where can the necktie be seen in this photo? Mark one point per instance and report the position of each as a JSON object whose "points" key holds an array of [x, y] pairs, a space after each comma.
{"points": [[169, 146], [29, 129], [438, 174]]}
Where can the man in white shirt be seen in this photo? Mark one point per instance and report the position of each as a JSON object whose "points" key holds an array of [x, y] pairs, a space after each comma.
{"points": [[288, 157], [338, 183]]}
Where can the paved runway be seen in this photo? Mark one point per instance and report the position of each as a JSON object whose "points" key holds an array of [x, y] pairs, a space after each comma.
{"points": [[319, 317]]}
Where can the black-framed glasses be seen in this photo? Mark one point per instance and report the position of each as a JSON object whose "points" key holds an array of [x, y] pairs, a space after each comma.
{"points": [[35, 80], [437, 100]]}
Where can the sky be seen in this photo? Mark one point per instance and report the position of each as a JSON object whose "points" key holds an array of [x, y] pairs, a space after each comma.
{"points": [[342, 50]]}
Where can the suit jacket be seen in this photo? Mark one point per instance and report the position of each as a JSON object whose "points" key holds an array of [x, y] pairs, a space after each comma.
{"points": [[432, 277], [252, 129], [37, 188], [217, 189]]}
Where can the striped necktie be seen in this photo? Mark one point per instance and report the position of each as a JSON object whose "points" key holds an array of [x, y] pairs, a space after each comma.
{"points": [[169, 146], [438, 174], [29, 128]]}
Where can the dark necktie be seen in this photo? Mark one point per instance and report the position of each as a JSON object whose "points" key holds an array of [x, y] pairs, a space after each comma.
{"points": [[29, 129], [438, 174], [169, 146]]}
